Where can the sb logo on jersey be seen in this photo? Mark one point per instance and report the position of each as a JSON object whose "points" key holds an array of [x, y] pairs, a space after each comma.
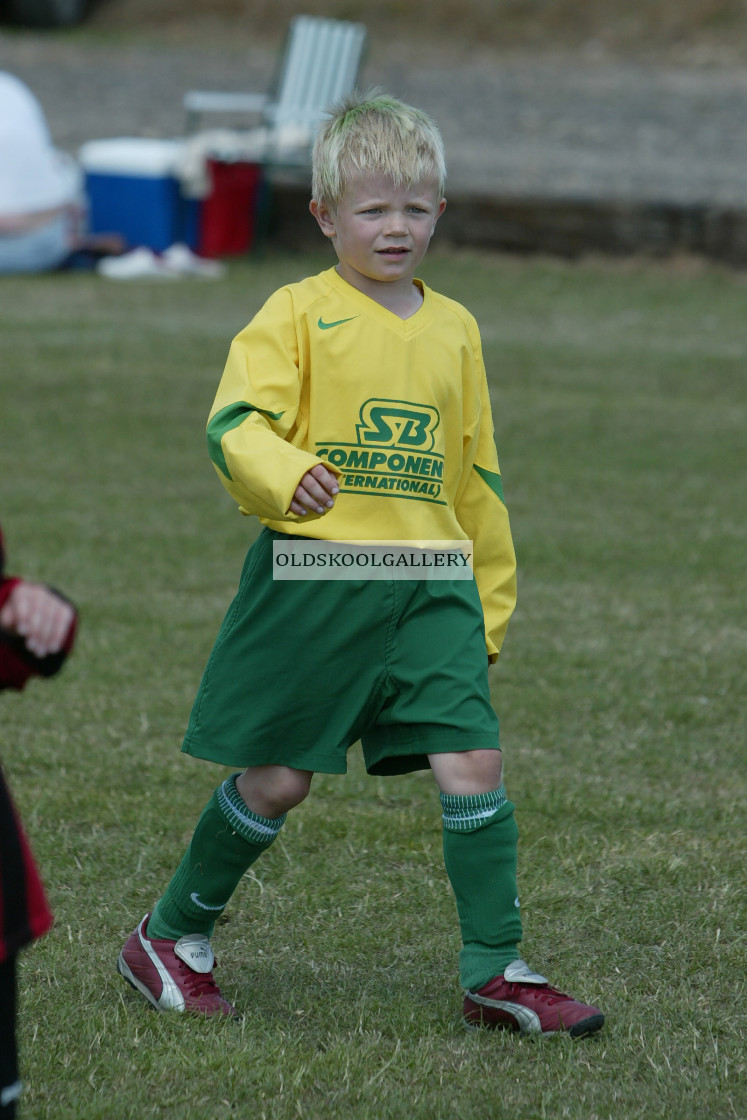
{"points": [[397, 424]]}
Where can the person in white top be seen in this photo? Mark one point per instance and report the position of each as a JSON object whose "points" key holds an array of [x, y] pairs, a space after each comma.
{"points": [[42, 195]]}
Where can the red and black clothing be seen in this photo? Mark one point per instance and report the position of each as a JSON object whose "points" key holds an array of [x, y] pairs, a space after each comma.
{"points": [[24, 912]]}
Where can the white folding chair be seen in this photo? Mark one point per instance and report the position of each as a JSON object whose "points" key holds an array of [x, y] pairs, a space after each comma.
{"points": [[319, 65]]}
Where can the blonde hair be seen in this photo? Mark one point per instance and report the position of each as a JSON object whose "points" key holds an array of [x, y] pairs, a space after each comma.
{"points": [[374, 132]]}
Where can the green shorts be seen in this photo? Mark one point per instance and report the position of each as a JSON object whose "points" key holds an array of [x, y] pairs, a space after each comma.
{"points": [[301, 670]]}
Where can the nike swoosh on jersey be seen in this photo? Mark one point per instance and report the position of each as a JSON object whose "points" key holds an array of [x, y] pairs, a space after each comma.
{"points": [[328, 326]]}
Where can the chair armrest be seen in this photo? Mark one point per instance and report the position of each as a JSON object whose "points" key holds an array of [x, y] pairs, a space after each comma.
{"points": [[205, 101], [197, 102]]}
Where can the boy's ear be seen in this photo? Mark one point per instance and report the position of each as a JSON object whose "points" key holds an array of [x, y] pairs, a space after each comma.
{"points": [[324, 217]]}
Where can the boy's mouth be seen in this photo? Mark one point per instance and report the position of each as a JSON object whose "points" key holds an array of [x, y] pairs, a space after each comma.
{"points": [[393, 251]]}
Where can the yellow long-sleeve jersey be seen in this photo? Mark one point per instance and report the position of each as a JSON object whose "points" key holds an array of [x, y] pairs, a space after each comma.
{"points": [[399, 409]]}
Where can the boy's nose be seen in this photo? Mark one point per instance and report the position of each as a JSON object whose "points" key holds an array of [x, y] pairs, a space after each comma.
{"points": [[396, 223]]}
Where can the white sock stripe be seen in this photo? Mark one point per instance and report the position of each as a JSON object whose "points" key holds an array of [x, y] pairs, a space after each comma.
{"points": [[464, 813], [249, 825], [465, 820]]}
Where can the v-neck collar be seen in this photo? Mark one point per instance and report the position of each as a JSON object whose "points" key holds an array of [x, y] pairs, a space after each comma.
{"points": [[371, 307]]}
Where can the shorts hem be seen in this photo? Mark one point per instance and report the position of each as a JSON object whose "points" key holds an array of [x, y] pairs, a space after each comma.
{"points": [[403, 752], [295, 760], [426, 741]]}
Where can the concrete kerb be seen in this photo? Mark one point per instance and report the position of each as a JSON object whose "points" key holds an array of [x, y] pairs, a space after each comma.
{"points": [[562, 227]]}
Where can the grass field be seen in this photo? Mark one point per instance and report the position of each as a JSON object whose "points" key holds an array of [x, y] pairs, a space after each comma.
{"points": [[620, 416]]}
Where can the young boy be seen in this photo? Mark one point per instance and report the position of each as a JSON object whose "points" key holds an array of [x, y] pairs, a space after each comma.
{"points": [[354, 407]]}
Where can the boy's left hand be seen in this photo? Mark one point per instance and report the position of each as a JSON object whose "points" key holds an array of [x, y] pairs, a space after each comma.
{"points": [[316, 492]]}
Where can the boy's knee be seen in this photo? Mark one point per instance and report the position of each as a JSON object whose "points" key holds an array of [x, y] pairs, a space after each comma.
{"points": [[271, 791], [467, 772]]}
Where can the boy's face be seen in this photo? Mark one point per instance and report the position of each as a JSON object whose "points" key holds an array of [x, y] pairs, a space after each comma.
{"points": [[380, 231]]}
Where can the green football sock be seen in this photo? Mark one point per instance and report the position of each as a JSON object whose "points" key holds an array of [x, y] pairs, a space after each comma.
{"points": [[228, 839], [480, 837]]}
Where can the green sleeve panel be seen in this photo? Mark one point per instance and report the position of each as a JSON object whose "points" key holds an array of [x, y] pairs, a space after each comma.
{"points": [[493, 480], [224, 421]]}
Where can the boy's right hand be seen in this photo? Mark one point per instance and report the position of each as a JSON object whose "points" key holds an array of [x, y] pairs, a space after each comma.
{"points": [[315, 492]]}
